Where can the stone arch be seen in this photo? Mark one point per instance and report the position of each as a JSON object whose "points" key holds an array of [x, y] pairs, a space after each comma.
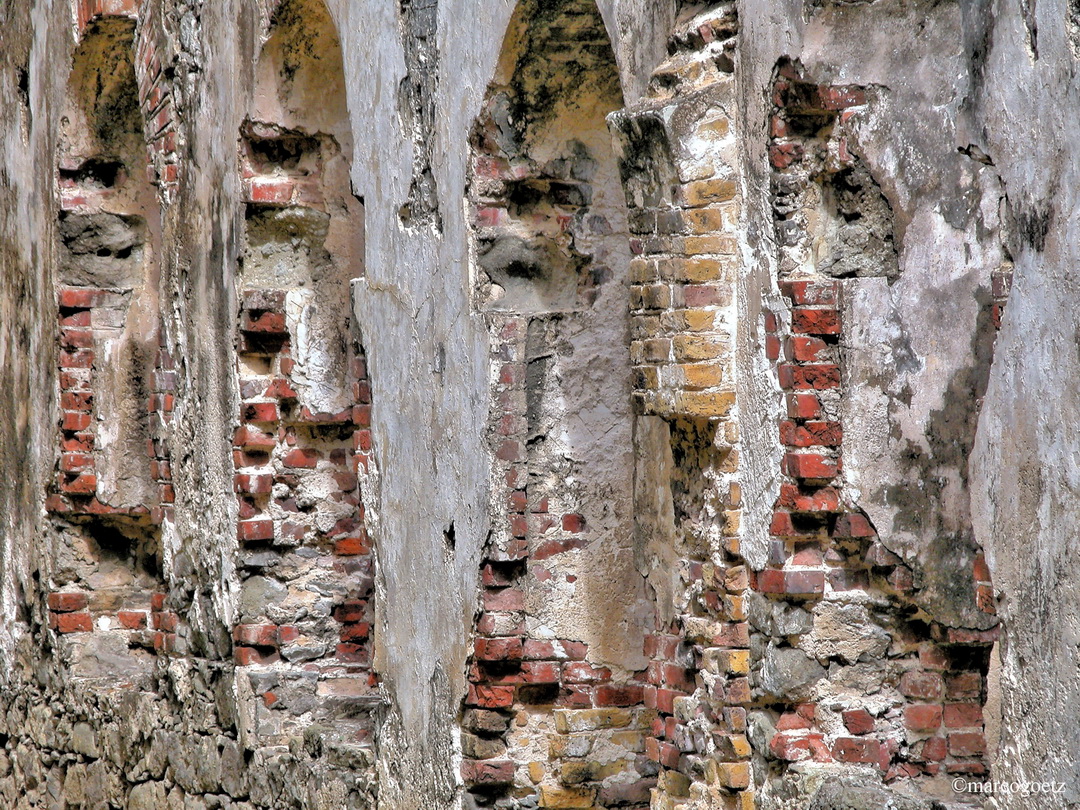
{"points": [[301, 450], [551, 257]]}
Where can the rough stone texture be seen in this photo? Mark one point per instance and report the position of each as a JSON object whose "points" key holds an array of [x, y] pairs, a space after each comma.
{"points": [[556, 404]]}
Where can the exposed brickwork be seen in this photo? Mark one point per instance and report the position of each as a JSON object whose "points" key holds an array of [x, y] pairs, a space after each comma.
{"points": [[825, 557]]}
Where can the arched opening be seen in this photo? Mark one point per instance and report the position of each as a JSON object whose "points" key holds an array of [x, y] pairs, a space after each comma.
{"points": [[551, 249], [301, 448], [112, 486]]}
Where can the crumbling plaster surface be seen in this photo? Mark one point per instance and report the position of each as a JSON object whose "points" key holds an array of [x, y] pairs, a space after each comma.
{"points": [[916, 351], [1025, 471]]}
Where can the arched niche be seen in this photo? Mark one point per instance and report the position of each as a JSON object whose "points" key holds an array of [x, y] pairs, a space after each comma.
{"points": [[303, 439], [113, 475], [550, 271], [304, 227]]}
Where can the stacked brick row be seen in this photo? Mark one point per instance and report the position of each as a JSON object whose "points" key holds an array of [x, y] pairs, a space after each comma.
{"points": [[159, 113], [87, 315], [510, 671], [928, 718], [684, 211], [682, 275], [281, 447], [72, 611]]}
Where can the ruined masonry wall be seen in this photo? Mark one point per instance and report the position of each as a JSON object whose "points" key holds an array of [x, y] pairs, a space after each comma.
{"points": [[570, 409]]}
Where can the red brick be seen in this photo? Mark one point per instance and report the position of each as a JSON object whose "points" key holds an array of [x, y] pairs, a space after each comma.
{"points": [[967, 744], [808, 349], [498, 649], [789, 747], [963, 715], [810, 465], [815, 321], [853, 524], [487, 771], [83, 484], [67, 601], [259, 412], [76, 462], [256, 635], [823, 499], [782, 155], [352, 610], [504, 599], [349, 653], [934, 749], [792, 721], [966, 685], [352, 546], [541, 672], [302, 458], [74, 421], [271, 190], [812, 292], [818, 377], [626, 695], [164, 620], [157, 601], [857, 749], [280, 389], [490, 697], [357, 632], [74, 623], [76, 338], [248, 656], [772, 347], [858, 721], [583, 672], [803, 406], [272, 323], [810, 434], [77, 318], [256, 484], [573, 523], [981, 569], [81, 358], [251, 530], [922, 685], [132, 619], [922, 717], [78, 297], [781, 525]]}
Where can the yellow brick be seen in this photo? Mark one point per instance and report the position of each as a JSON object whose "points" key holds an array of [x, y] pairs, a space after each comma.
{"points": [[718, 126], [746, 800], [704, 403], [702, 375], [736, 662], [732, 521], [715, 243], [646, 378], [734, 494], [735, 607], [565, 797], [707, 192], [630, 740], [731, 774], [536, 771], [698, 320], [642, 270], [674, 784], [704, 220], [567, 720], [689, 348]]}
